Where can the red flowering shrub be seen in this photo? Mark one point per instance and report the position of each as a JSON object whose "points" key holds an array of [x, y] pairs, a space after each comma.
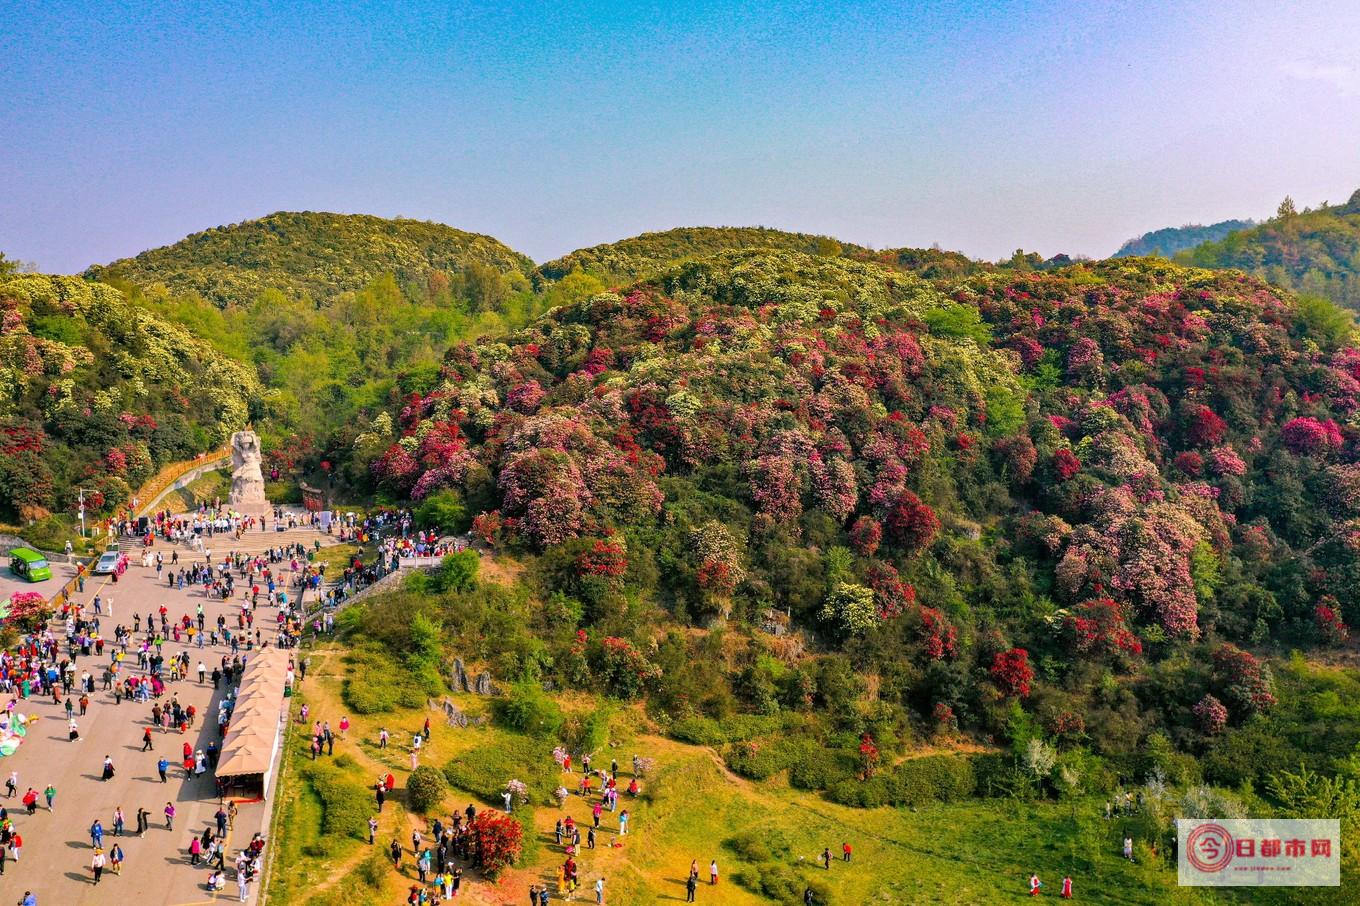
{"points": [[892, 596], [1012, 673], [499, 838], [944, 717], [606, 557], [1203, 426], [1308, 435], [865, 535], [715, 576], [623, 670], [1327, 618], [911, 523], [487, 526], [938, 636], [1065, 464], [1018, 456], [1242, 679], [868, 755], [1067, 723], [1097, 627], [719, 558], [1190, 462], [1211, 714]]}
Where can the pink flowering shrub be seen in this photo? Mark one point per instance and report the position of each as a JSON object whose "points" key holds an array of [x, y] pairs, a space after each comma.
{"points": [[1225, 461], [525, 397], [1211, 715], [1307, 435]]}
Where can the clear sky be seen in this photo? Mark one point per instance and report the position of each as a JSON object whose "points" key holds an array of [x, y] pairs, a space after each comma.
{"points": [[981, 126]]}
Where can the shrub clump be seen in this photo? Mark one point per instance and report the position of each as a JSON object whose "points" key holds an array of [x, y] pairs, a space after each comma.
{"points": [[935, 778], [425, 789], [345, 802]]}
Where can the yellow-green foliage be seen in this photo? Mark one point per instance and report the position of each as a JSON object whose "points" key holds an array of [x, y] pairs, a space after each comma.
{"points": [[649, 253], [315, 255]]}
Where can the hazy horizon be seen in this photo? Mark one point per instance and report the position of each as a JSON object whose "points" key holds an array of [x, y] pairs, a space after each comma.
{"points": [[982, 127]]}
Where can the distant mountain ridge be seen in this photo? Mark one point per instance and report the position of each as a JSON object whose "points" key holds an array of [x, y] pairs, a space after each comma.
{"points": [[1171, 240], [318, 255]]}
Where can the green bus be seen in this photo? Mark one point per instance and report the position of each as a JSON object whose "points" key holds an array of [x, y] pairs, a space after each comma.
{"points": [[27, 563]]}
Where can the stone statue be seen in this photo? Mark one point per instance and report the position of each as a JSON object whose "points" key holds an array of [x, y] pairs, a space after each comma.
{"points": [[247, 481]]}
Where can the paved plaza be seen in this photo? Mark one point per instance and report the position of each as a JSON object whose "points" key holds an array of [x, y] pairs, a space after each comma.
{"points": [[56, 854]]}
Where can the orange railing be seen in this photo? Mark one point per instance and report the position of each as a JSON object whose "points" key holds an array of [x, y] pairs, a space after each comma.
{"points": [[148, 493], [162, 480]]}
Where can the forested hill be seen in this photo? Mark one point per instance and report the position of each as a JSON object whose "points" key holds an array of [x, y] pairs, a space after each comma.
{"points": [[1040, 504], [1167, 242], [315, 255], [1313, 251], [97, 392], [648, 253]]}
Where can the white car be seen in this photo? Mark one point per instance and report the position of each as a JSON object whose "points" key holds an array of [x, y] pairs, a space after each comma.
{"points": [[108, 563]]}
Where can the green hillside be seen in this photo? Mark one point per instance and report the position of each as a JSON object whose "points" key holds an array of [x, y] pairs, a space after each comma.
{"points": [[1314, 251], [640, 256], [97, 392], [1057, 529], [313, 255], [1167, 242]]}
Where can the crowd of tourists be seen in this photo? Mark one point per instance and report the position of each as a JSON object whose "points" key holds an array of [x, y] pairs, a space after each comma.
{"points": [[91, 656]]}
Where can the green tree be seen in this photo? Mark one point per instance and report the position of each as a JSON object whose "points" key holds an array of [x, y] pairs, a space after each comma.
{"points": [[458, 572]]}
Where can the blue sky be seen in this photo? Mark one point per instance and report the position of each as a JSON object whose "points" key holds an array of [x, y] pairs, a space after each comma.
{"points": [[981, 126]]}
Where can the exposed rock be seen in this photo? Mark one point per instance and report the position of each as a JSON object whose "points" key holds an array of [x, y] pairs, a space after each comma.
{"points": [[484, 686]]}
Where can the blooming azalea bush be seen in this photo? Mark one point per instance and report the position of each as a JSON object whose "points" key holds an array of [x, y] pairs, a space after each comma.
{"points": [[499, 839], [1212, 715], [1242, 679], [623, 671], [1330, 627], [1097, 627], [1012, 673], [28, 610], [607, 557], [1305, 435]]}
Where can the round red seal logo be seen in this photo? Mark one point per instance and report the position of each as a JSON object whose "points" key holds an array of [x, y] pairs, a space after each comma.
{"points": [[1209, 848]]}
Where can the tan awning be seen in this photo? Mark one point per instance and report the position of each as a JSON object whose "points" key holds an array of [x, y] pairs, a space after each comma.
{"points": [[254, 731]]}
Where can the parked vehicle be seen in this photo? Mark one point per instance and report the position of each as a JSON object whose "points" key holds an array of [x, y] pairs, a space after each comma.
{"points": [[28, 564], [108, 563]]}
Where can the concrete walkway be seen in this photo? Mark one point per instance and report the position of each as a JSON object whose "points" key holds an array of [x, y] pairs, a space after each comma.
{"points": [[55, 861]]}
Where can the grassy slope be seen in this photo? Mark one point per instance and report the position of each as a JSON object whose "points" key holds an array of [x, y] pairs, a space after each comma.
{"points": [[982, 850], [978, 851]]}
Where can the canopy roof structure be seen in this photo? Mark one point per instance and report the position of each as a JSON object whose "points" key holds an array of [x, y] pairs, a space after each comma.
{"points": [[253, 736]]}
